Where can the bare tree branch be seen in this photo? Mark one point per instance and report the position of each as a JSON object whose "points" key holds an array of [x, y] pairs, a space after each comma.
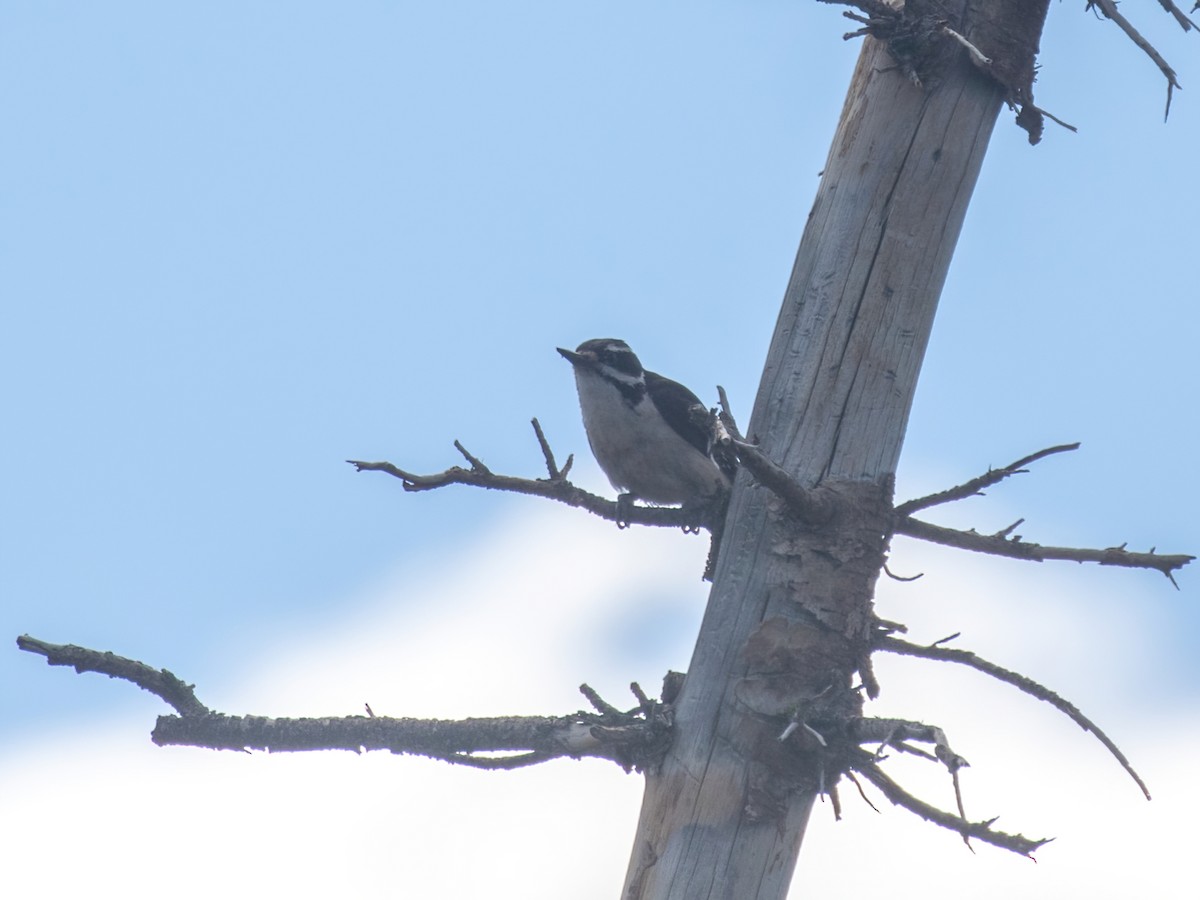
{"points": [[897, 732], [556, 487], [976, 485], [1178, 14], [1015, 548], [495, 743], [436, 738], [866, 766], [634, 739], [1108, 9], [812, 505], [1003, 543], [892, 732], [878, 10], [1019, 681]]}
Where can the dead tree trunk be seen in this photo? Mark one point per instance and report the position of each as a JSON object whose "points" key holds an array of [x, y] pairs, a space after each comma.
{"points": [[788, 621]]}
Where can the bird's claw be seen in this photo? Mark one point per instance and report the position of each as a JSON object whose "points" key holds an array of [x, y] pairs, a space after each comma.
{"points": [[624, 508]]}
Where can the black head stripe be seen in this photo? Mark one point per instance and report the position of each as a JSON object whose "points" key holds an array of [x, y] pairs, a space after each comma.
{"points": [[630, 393], [613, 353], [621, 358]]}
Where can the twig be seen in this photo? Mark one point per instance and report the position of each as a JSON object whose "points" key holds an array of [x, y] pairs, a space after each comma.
{"points": [[897, 732], [645, 704], [1005, 532], [505, 763], [813, 506], [159, 682], [877, 9], [976, 485], [1055, 119], [1108, 8], [982, 831], [866, 672], [1015, 548], [476, 465], [556, 474], [885, 626], [858, 784], [958, 802], [817, 736], [1178, 14], [892, 575], [601, 705], [892, 732], [977, 55], [723, 399], [835, 802], [1021, 682]]}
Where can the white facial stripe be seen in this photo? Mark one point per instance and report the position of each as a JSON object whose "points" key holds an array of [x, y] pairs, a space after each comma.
{"points": [[623, 377]]}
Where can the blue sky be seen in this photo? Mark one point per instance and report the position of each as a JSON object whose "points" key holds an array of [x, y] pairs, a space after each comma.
{"points": [[243, 243]]}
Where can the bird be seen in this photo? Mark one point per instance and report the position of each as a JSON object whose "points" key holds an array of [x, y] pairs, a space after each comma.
{"points": [[643, 430]]}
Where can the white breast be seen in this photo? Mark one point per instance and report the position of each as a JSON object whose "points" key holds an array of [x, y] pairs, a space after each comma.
{"points": [[639, 452]]}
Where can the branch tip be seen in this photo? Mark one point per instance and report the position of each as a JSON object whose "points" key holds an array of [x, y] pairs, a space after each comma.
{"points": [[976, 485], [1108, 9], [1016, 548], [162, 683], [892, 575], [476, 464], [551, 467], [979, 830], [1021, 682]]}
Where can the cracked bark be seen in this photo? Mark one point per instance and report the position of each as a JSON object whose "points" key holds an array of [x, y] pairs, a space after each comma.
{"points": [[790, 609]]}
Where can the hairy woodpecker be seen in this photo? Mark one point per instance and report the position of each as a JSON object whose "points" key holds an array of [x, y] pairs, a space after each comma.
{"points": [[642, 430]]}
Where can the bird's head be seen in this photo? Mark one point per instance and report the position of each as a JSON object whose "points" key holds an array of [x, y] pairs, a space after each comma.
{"points": [[607, 356]]}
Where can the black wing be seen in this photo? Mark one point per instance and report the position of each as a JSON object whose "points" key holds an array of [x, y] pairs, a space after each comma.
{"points": [[674, 403]]}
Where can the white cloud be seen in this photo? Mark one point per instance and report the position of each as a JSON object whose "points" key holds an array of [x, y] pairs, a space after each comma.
{"points": [[513, 624]]}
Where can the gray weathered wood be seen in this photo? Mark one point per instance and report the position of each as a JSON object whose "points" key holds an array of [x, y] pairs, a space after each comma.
{"points": [[788, 619]]}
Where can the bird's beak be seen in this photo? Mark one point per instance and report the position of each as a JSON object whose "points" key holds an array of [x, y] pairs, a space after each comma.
{"points": [[575, 359]]}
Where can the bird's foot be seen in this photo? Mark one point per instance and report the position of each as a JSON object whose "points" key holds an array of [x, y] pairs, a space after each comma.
{"points": [[624, 508], [695, 516], [707, 513]]}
